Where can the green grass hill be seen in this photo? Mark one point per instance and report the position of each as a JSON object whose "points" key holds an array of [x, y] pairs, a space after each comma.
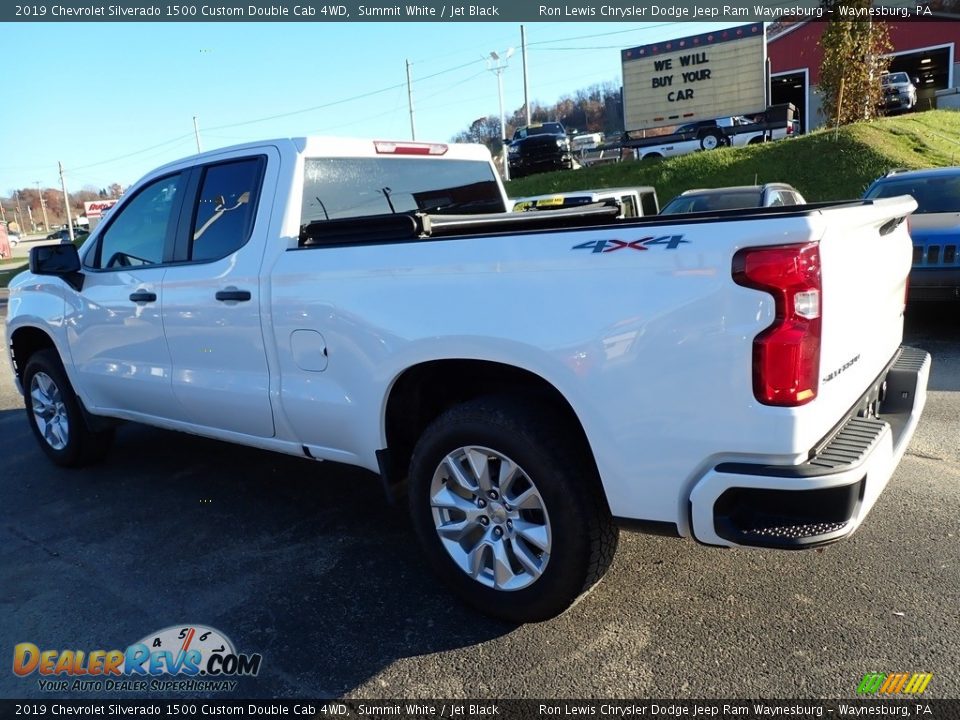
{"points": [[820, 165]]}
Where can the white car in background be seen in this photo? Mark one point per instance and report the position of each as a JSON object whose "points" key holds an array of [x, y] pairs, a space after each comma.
{"points": [[732, 198]]}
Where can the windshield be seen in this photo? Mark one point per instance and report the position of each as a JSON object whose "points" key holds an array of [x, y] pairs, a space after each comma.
{"points": [[933, 195], [550, 128], [693, 127], [895, 78], [709, 202], [335, 188]]}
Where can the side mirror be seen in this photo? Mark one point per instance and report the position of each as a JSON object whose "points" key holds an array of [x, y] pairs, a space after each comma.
{"points": [[916, 80], [62, 260]]}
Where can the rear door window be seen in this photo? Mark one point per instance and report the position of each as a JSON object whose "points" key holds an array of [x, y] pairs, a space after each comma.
{"points": [[223, 218]]}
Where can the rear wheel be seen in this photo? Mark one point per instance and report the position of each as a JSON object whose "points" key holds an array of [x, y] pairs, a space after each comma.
{"points": [[712, 140], [509, 514], [55, 416]]}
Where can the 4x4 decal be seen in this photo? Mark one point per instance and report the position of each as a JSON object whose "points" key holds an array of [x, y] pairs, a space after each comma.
{"points": [[669, 242]]}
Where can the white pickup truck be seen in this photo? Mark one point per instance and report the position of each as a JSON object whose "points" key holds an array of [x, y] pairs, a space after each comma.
{"points": [[723, 132], [537, 379]]}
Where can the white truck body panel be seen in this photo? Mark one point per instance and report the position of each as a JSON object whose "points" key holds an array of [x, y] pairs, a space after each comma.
{"points": [[650, 348]]}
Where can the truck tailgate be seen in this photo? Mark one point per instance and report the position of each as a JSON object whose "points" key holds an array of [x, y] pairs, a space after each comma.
{"points": [[865, 256]]}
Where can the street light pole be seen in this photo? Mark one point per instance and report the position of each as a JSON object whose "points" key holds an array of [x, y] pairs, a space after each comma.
{"points": [[413, 127], [523, 55], [497, 64]]}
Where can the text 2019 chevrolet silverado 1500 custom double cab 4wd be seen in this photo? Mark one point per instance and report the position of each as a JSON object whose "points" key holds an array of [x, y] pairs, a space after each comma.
{"points": [[734, 377]]}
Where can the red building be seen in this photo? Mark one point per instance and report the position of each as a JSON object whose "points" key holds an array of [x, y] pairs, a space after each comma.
{"points": [[925, 50]]}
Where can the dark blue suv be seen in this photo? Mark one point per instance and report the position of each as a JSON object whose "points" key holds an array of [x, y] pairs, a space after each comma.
{"points": [[934, 228]]}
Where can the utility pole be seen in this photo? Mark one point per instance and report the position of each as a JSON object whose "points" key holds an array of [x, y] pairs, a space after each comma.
{"points": [[66, 200], [43, 206], [497, 64], [523, 55], [413, 127], [19, 212], [196, 133]]}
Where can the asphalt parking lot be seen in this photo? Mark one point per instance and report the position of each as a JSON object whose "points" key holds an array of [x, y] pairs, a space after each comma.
{"points": [[306, 564]]}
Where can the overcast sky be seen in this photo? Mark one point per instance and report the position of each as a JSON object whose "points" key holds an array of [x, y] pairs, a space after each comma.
{"points": [[114, 100]]}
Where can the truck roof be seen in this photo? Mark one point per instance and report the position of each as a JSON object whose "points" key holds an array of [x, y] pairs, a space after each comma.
{"points": [[327, 146]]}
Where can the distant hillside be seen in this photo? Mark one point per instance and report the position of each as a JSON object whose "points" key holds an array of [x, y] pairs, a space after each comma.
{"points": [[821, 167]]}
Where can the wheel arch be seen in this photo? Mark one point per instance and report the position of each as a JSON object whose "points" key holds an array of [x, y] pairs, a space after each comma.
{"points": [[423, 391], [24, 342]]}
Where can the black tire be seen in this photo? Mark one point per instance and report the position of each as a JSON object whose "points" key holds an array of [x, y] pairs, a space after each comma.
{"points": [[82, 446], [651, 157], [582, 535]]}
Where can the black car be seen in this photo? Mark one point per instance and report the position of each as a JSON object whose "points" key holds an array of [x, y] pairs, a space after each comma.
{"points": [[540, 147], [78, 234]]}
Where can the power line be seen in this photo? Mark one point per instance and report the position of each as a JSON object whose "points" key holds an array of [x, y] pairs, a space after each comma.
{"points": [[584, 47], [334, 103], [605, 34], [131, 154], [454, 85], [309, 109]]}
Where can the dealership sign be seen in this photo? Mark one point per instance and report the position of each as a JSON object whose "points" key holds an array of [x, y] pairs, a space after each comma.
{"points": [[97, 208], [702, 77]]}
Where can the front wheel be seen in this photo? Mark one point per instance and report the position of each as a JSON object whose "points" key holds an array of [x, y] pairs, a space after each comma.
{"points": [[55, 416], [508, 512]]}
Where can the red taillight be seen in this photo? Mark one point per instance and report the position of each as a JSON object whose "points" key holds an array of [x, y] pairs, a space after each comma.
{"points": [[387, 147], [786, 356]]}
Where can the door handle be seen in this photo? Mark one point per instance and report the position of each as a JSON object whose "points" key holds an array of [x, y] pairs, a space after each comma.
{"points": [[233, 295], [142, 296]]}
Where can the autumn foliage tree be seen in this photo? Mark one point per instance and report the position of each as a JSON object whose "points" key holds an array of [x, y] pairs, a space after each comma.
{"points": [[854, 58], [592, 109]]}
